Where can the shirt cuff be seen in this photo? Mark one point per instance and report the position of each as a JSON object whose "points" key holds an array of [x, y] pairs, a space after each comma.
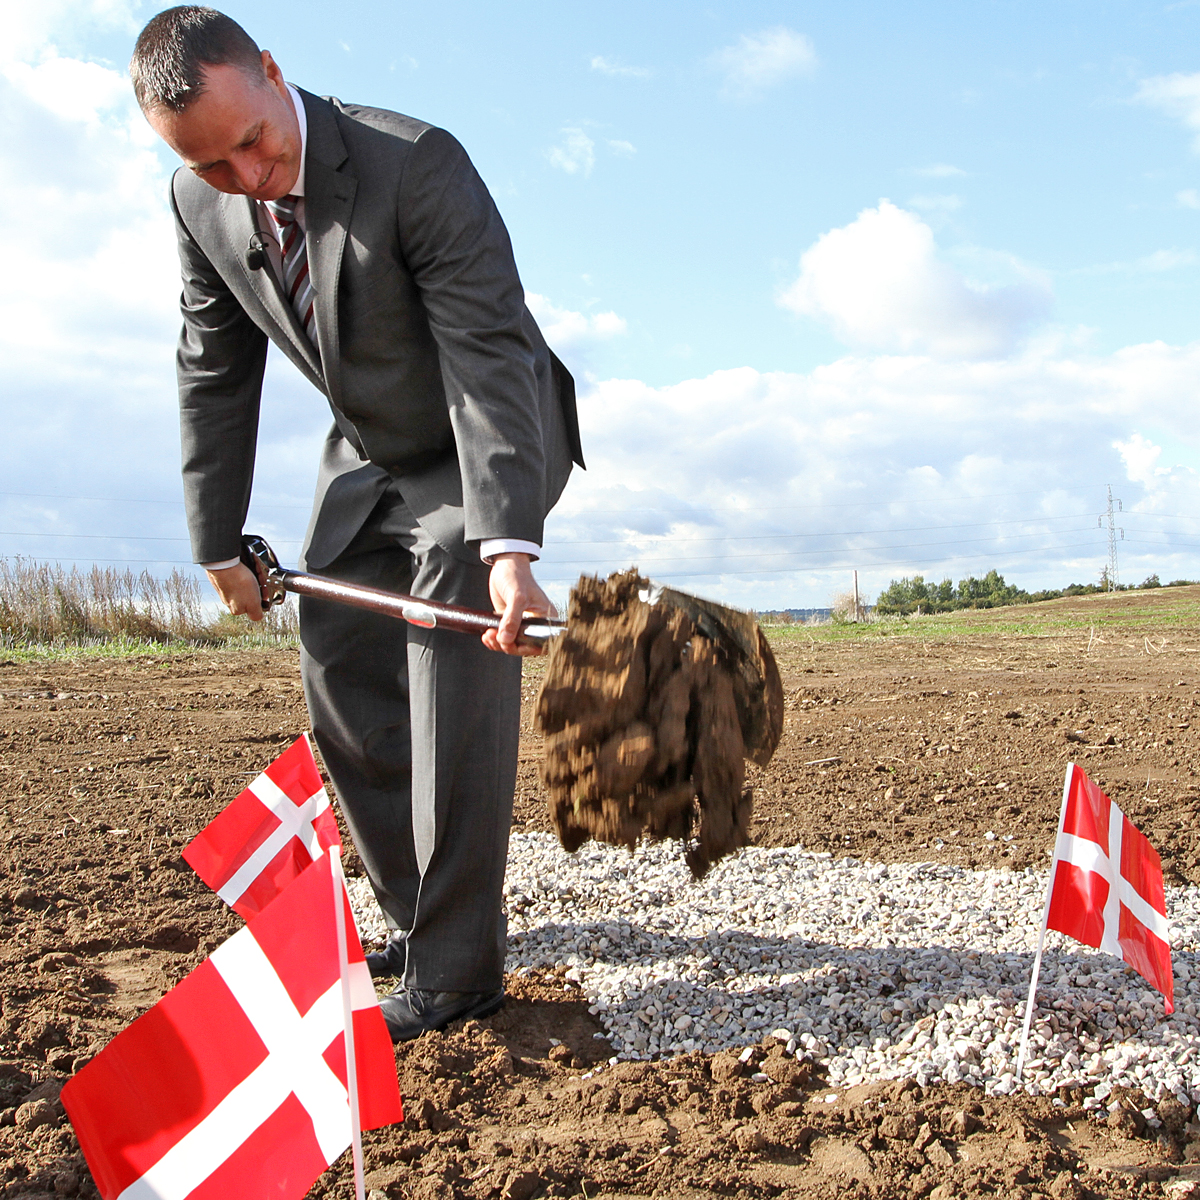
{"points": [[221, 566], [490, 547]]}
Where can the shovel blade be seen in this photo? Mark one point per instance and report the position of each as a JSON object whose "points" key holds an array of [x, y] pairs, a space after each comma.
{"points": [[759, 689]]}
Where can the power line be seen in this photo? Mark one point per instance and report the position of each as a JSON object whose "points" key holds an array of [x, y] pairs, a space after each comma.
{"points": [[662, 538], [663, 541], [911, 562], [550, 564], [1163, 545], [768, 554], [632, 508], [156, 562], [759, 537], [738, 508], [110, 537], [778, 553], [765, 554], [752, 537], [118, 537], [559, 516], [1170, 516], [136, 500]]}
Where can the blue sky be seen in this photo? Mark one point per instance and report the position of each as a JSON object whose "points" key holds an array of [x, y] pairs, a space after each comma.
{"points": [[894, 287]]}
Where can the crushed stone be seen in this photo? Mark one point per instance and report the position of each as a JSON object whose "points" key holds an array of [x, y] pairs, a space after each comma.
{"points": [[873, 971]]}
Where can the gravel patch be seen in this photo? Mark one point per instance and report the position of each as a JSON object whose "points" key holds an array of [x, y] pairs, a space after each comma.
{"points": [[875, 971]]}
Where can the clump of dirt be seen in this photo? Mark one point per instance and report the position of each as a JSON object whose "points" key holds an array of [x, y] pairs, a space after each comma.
{"points": [[648, 724], [525, 1106], [494, 1116], [504, 1110]]}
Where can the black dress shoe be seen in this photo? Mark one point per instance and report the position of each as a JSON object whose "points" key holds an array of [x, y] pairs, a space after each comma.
{"points": [[410, 1012], [389, 960]]}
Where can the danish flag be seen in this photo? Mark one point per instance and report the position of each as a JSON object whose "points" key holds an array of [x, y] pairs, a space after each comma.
{"points": [[235, 1083], [1106, 885], [268, 834]]}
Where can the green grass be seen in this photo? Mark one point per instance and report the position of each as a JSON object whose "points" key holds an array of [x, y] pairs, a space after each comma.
{"points": [[1138, 613], [58, 650]]}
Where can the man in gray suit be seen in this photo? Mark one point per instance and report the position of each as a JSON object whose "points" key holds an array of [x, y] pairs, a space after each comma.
{"points": [[366, 247]]}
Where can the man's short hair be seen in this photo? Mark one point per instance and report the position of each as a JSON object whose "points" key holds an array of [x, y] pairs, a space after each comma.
{"points": [[176, 46]]}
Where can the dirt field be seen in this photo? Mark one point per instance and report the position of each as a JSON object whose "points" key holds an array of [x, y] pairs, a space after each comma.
{"points": [[902, 746]]}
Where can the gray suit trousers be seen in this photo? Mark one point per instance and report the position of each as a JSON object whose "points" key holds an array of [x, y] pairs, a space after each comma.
{"points": [[418, 729]]}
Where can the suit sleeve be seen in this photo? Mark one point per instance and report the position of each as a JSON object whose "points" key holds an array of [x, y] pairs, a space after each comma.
{"points": [[459, 253], [220, 363]]}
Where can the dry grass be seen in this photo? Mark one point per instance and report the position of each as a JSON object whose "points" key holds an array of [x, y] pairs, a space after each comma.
{"points": [[47, 604], [843, 608]]}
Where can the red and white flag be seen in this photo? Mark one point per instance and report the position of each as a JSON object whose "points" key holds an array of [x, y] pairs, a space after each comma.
{"points": [[1106, 884], [279, 825], [233, 1086]]}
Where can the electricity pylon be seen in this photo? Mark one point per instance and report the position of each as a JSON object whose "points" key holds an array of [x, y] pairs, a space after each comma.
{"points": [[1113, 578]]}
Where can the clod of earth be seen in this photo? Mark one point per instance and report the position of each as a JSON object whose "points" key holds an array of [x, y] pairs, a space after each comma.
{"points": [[648, 723]]}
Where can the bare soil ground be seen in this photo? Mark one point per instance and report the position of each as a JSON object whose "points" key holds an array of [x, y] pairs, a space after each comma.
{"points": [[904, 746]]}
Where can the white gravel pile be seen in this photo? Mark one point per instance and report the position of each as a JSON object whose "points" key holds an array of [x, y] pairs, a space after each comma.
{"points": [[877, 971]]}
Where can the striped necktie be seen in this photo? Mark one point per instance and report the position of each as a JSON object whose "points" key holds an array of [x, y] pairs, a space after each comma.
{"points": [[294, 249]]}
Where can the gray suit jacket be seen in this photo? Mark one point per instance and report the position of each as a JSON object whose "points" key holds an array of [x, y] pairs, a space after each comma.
{"points": [[436, 372]]}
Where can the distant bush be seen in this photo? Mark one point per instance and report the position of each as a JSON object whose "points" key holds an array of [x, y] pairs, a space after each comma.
{"points": [[909, 595], [45, 603], [773, 617], [842, 609], [794, 616], [916, 595]]}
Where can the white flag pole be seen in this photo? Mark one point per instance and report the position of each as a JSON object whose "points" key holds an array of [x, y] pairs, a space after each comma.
{"points": [[1037, 960], [1037, 967], [339, 892]]}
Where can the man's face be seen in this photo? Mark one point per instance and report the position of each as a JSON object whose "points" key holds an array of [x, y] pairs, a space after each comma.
{"points": [[240, 135]]}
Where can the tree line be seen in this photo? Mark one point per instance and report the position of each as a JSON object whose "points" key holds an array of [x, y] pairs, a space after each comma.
{"points": [[916, 594]]}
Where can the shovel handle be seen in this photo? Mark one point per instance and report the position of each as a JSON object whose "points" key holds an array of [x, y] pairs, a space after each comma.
{"points": [[274, 580]]}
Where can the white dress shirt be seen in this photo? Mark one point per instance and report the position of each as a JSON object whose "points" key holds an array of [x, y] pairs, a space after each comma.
{"points": [[489, 548]]}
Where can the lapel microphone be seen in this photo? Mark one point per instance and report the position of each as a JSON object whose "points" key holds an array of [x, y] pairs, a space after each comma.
{"points": [[256, 253]]}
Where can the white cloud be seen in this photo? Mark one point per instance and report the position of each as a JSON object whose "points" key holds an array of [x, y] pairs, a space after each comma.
{"points": [[88, 233], [68, 88], [1140, 456], [576, 154], [573, 335], [1178, 96], [1156, 262], [880, 283], [761, 60], [88, 337], [30, 29], [938, 204], [1167, 260], [607, 67], [939, 171], [1188, 198], [765, 489]]}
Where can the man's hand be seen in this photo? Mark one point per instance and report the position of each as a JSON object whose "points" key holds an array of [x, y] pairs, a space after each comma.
{"points": [[239, 590], [515, 594]]}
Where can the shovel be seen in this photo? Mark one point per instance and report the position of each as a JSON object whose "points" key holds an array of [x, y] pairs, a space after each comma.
{"points": [[736, 633]]}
